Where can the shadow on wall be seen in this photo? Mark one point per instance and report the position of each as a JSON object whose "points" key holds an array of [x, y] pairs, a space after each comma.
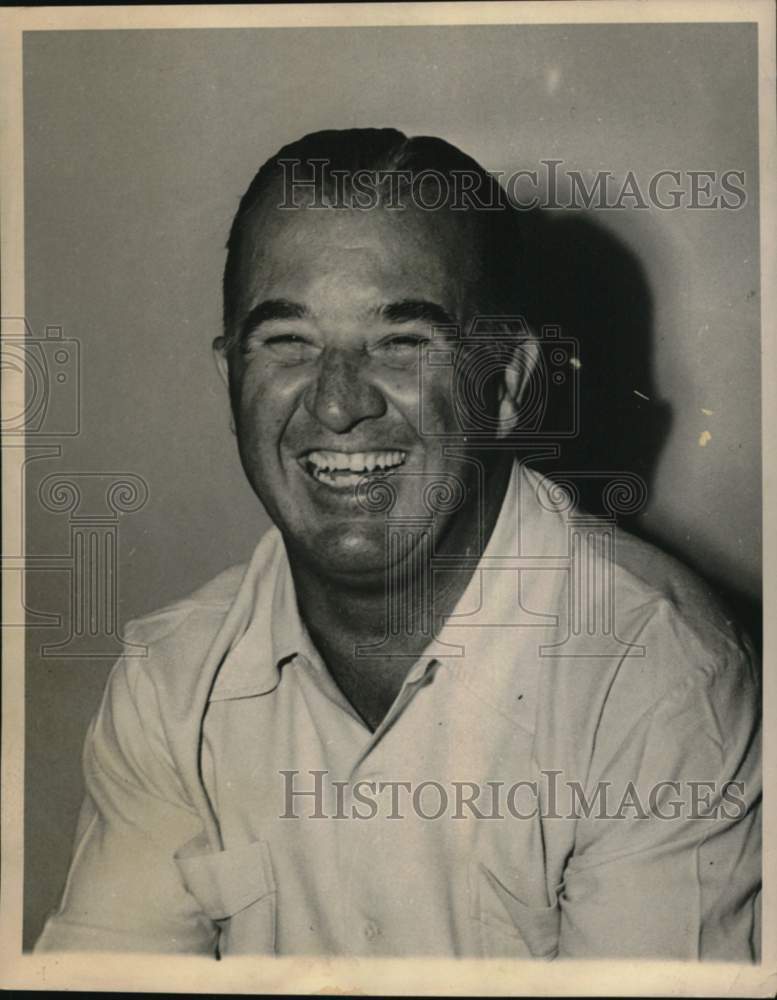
{"points": [[585, 280]]}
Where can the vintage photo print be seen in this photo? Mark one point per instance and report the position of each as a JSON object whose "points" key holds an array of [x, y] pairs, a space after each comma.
{"points": [[387, 463]]}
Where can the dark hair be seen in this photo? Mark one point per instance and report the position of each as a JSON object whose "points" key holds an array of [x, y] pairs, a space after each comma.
{"points": [[384, 151]]}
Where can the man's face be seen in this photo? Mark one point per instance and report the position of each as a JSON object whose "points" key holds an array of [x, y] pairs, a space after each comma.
{"points": [[328, 378]]}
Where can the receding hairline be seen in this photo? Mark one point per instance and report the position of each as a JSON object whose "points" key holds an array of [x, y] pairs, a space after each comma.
{"points": [[254, 239], [491, 237]]}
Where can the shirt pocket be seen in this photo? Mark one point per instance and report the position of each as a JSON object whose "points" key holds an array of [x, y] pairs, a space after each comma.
{"points": [[507, 927], [237, 890]]}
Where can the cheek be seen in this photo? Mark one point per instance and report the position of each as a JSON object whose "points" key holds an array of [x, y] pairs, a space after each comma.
{"points": [[264, 395], [424, 399], [263, 403], [437, 406]]}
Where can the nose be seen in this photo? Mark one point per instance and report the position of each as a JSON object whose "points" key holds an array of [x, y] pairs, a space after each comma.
{"points": [[341, 396]]}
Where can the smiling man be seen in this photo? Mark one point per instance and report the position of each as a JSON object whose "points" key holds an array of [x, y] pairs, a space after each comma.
{"points": [[388, 733]]}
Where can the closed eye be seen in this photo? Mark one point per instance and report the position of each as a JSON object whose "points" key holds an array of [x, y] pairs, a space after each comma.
{"points": [[400, 350], [285, 338], [406, 340], [285, 348]]}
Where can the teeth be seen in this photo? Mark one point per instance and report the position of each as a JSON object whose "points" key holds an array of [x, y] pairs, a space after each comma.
{"points": [[356, 462]]}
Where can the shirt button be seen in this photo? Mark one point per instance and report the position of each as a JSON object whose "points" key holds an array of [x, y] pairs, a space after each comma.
{"points": [[371, 930]]}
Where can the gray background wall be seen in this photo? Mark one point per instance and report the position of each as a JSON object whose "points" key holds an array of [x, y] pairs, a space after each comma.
{"points": [[137, 147]]}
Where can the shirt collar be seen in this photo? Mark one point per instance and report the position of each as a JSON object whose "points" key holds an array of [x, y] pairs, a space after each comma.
{"points": [[493, 635], [266, 631], [267, 628]]}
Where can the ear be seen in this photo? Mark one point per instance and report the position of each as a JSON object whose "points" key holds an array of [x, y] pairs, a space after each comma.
{"points": [[517, 376], [222, 367], [220, 358]]}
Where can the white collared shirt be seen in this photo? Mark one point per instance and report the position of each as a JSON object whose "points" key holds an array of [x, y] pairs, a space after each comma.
{"points": [[582, 671]]}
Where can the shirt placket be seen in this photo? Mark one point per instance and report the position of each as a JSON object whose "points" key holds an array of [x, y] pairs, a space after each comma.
{"points": [[367, 866]]}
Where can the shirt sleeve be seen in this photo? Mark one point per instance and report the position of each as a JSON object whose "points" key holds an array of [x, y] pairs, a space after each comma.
{"points": [[670, 866], [124, 891]]}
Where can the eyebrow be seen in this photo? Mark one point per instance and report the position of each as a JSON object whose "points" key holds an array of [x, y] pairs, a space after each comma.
{"points": [[411, 310], [271, 309]]}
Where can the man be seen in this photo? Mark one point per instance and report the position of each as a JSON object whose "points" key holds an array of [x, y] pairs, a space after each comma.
{"points": [[440, 711]]}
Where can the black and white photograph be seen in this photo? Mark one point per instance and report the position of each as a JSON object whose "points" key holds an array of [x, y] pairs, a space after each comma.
{"points": [[386, 463]]}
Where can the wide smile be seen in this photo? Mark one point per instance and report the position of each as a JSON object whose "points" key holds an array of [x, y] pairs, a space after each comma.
{"points": [[343, 469]]}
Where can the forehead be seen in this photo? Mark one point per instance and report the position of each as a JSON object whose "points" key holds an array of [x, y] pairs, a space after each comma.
{"points": [[346, 258]]}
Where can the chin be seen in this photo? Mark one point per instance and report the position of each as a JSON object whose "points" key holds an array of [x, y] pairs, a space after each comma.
{"points": [[354, 551]]}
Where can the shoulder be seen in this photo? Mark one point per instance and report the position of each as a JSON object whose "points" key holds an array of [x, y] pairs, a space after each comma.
{"points": [[643, 634], [689, 665], [165, 654], [181, 644], [620, 584], [674, 608], [196, 611], [173, 641], [150, 694], [147, 726], [647, 590], [156, 693]]}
